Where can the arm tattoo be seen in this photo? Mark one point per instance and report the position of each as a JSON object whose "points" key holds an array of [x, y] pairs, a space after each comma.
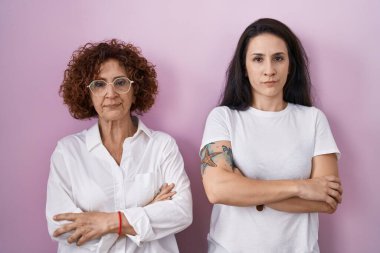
{"points": [[229, 156], [207, 157]]}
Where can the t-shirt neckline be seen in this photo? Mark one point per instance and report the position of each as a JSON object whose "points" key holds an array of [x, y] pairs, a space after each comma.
{"points": [[270, 114]]}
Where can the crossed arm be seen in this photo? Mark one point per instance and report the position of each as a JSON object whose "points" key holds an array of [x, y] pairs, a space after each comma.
{"points": [[225, 184], [87, 226], [169, 211]]}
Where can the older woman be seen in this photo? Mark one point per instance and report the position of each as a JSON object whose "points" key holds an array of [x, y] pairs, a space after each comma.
{"points": [[117, 186], [269, 159]]}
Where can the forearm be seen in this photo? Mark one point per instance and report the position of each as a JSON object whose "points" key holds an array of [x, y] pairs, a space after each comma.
{"points": [[169, 217], [161, 218], [324, 165], [224, 187], [298, 205], [225, 184]]}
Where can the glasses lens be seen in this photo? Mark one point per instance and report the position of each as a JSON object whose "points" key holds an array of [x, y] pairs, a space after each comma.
{"points": [[98, 87], [122, 84]]}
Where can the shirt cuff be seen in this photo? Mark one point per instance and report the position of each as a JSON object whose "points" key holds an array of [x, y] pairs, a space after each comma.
{"points": [[138, 219], [106, 242]]}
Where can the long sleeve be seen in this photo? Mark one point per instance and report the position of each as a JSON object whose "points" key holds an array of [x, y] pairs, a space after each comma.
{"points": [[84, 177], [60, 198], [162, 218]]}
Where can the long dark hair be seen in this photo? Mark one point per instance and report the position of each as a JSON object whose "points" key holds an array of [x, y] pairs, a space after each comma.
{"points": [[238, 93]]}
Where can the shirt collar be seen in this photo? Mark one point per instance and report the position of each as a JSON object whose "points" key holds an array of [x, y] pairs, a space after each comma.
{"points": [[93, 138], [141, 127]]}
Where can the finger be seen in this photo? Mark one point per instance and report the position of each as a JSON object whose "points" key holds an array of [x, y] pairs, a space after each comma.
{"points": [[335, 186], [64, 229], [332, 178], [171, 185], [75, 236], [163, 186], [336, 195], [167, 189], [167, 195], [86, 237], [66, 216], [332, 202]]}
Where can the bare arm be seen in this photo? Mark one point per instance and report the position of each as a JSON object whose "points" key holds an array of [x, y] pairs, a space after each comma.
{"points": [[322, 165], [224, 184]]}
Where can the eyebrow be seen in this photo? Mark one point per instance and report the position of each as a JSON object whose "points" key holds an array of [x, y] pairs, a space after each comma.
{"points": [[275, 54], [101, 78]]}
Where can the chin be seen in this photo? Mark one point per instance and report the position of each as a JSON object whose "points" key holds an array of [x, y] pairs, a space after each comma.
{"points": [[113, 116]]}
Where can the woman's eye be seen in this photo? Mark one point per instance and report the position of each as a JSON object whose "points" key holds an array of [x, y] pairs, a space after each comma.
{"points": [[278, 58], [258, 59], [99, 84], [120, 82]]}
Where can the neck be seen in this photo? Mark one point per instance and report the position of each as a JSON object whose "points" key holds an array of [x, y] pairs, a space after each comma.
{"points": [[269, 104], [115, 132]]}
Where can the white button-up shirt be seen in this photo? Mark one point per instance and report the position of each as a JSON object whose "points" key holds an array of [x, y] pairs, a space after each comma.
{"points": [[84, 177]]}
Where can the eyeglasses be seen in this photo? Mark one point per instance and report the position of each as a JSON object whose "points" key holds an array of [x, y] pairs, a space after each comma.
{"points": [[121, 85]]}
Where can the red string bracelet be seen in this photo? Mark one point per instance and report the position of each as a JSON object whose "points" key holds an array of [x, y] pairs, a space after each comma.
{"points": [[119, 232]]}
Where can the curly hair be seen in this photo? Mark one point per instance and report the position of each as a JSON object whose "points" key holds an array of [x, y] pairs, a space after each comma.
{"points": [[84, 67]]}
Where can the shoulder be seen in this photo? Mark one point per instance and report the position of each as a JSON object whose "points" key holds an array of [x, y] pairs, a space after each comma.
{"points": [[70, 146], [306, 111], [221, 110], [161, 137], [312, 116], [72, 141], [221, 113], [164, 144]]}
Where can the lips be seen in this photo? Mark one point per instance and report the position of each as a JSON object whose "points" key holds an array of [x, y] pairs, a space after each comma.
{"points": [[112, 105], [271, 81]]}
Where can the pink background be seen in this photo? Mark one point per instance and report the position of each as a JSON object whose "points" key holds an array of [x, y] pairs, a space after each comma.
{"points": [[191, 44]]}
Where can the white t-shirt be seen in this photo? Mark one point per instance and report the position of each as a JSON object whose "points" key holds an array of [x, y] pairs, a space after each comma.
{"points": [[84, 177], [268, 146]]}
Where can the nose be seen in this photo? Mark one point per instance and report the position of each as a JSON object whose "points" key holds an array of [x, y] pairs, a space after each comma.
{"points": [[269, 69], [110, 90]]}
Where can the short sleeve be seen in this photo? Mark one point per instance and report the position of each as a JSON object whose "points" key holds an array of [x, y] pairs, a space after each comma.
{"points": [[324, 139], [217, 126]]}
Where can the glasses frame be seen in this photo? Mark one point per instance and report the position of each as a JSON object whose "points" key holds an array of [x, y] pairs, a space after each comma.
{"points": [[113, 86]]}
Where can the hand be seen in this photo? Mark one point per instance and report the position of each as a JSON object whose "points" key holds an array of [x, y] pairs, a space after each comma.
{"points": [[327, 189], [86, 226], [165, 193]]}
